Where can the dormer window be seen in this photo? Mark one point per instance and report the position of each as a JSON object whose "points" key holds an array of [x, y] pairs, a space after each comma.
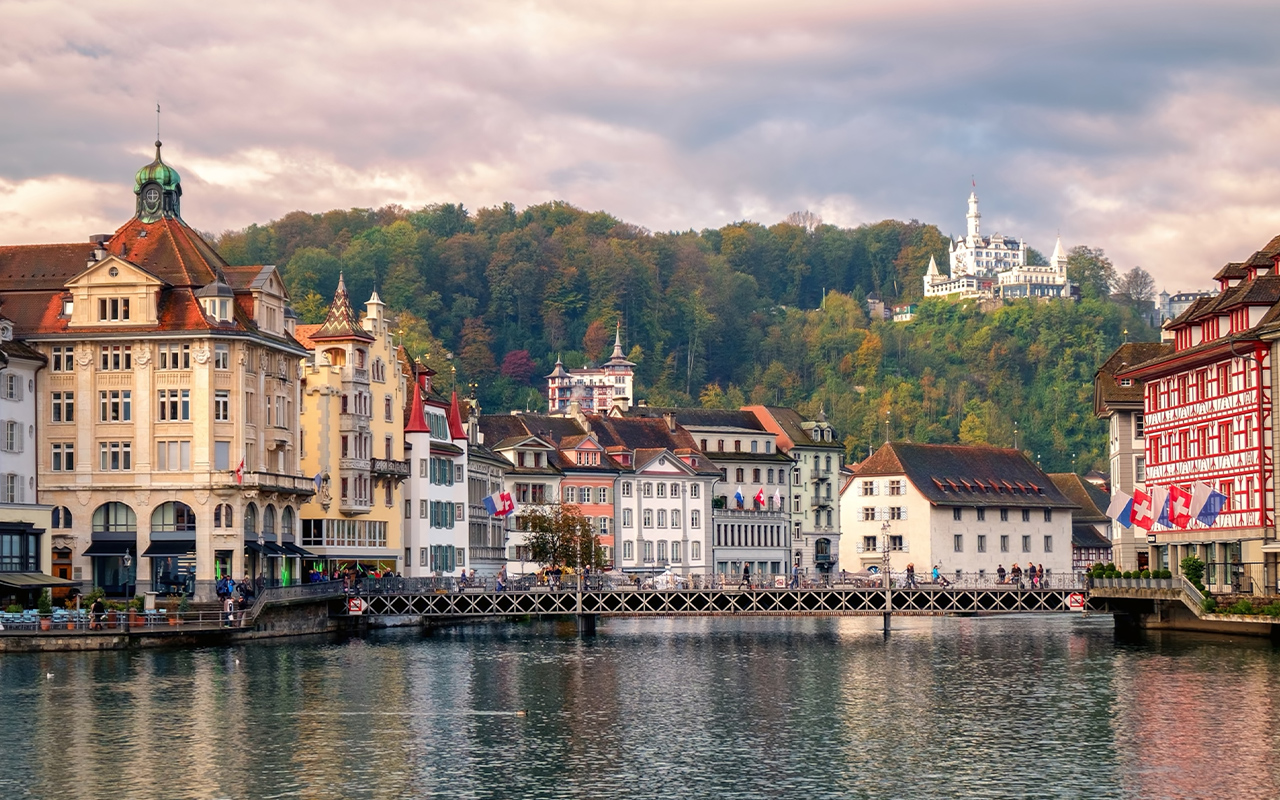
{"points": [[218, 308], [113, 309], [68, 305], [1126, 382]]}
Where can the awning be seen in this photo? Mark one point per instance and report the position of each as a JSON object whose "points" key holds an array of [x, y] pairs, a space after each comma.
{"points": [[24, 580], [269, 549], [108, 548], [165, 548], [292, 549]]}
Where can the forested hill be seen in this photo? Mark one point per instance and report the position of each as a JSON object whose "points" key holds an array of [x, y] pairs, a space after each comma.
{"points": [[718, 317]]}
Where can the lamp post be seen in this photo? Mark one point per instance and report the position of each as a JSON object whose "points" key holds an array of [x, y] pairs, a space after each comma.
{"points": [[884, 569]]}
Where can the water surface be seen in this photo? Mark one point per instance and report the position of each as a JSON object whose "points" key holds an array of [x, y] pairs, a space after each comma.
{"points": [[1029, 706]]}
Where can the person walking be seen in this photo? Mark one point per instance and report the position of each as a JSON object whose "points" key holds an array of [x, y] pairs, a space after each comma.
{"points": [[97, 612], [746, 575], [911, 576], [1000, 574]]}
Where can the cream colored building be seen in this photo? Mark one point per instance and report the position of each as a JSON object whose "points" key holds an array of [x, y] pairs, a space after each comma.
{"points": [[353, 440], [168, 409], [964, 509]]}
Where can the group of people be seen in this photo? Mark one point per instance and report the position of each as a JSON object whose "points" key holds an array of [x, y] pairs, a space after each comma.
{"points": [[1033, 575], [234, 597]]}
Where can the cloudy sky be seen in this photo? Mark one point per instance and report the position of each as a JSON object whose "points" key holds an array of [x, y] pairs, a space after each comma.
{"points": [[1149, 129]]}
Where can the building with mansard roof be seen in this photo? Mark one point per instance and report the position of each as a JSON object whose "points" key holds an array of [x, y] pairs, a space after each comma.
{"points": [[167, 418]]}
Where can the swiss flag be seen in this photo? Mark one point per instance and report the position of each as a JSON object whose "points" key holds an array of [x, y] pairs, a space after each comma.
{"points": [[240, 472], [1143, 514], [1179, 506], [508, 504], [760, 498]]}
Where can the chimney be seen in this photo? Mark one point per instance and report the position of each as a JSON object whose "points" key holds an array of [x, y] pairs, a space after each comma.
{"points": [[670, 417]]}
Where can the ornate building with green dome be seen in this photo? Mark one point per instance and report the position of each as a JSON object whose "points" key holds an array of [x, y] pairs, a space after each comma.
{"points": [[166, 436]]}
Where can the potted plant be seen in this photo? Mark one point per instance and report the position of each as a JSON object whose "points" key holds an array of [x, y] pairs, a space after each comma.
{"points": [[135, 611], [114, 607], [184, 605], [45, 606]]}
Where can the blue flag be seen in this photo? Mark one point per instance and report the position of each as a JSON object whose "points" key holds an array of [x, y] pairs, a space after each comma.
{"points": [[1121, 508], [1212, 507], [1161, 496]]}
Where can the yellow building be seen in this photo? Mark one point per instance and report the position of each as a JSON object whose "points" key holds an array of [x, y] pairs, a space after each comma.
{"points": [[353, 439], [167, 412]]}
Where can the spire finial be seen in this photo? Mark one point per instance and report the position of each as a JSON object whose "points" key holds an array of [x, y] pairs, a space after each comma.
{"points": [[157, 124]]}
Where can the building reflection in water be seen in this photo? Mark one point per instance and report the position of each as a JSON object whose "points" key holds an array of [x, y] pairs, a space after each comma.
{"points": [[821, 707]]}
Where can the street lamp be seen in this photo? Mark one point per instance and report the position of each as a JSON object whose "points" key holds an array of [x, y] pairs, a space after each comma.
{"points": [[884, 568]]}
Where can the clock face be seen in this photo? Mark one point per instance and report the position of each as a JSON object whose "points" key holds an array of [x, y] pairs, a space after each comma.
{"points": [[151, 196]]}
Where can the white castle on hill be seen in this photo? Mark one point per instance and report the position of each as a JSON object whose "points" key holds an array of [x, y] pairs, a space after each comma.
{"points": [[991, 266]]}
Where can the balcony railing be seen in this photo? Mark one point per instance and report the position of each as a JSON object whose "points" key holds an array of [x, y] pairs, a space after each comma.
{"points": [[390, 466], [357, 464], [818, 501], [353, 422], [764, 514], [902, 548], [818, 474], [355, 375], [355, 505], [268, 482]]}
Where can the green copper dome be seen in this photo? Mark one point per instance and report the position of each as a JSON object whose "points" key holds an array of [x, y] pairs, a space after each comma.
{"points": [[157, 172], [158, 189]]}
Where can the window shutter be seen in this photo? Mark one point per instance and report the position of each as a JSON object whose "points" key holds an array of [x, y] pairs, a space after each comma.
{"points": [[904, 512]]}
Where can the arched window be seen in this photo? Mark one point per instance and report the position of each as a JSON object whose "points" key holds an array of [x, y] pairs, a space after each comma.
{"points": [[336, 356], [251, 521], [61, 517], [173, 517], [269, 522], [286, 524], [222, 516], [114, 518], [359, 358], [822, 547]]}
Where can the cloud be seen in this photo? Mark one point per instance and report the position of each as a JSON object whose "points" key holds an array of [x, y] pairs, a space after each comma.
{"points": [[1137, 127]]}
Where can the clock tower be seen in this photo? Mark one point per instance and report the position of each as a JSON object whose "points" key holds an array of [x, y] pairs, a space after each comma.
{"points": [[159, 190]]}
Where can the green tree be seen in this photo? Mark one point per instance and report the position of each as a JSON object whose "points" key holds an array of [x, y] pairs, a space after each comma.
{"points": [[1091, 270], [560, 535]]}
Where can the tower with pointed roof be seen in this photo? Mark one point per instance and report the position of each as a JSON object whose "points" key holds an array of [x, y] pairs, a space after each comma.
{"points": [[594, 389], [191, 368], [356, 430]]}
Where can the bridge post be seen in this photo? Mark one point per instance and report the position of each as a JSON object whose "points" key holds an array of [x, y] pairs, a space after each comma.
{"points": [[586, 625]]}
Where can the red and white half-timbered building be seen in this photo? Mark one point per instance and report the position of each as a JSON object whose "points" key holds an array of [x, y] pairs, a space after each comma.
{"points": [[1208, 412]]}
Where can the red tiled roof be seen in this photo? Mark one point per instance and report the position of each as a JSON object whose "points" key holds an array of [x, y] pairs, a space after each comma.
{"points": [[303, 334], [169, 249], [42, 266]]}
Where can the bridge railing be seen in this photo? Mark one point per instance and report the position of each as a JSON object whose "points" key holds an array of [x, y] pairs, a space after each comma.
{"points": [[714, 582]]}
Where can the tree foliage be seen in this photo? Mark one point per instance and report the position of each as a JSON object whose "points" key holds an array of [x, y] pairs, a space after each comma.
{"points": [[560, 535], [722, 317]]}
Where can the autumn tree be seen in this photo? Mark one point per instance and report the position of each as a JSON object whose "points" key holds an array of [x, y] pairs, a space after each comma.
{"points": [[518, 366], [559, 534]]}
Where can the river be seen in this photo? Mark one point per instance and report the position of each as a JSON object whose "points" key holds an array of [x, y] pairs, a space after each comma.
{"points": [[1028, 706]]}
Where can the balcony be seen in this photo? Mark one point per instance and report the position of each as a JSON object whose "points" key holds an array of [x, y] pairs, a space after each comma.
{"points": [[893, 548], [818, 501], [354, 375], [354, 464], [822, 558], [353, 423], [819, 474], [390, 466], [355, 505], [268, 482], [764, 515]]}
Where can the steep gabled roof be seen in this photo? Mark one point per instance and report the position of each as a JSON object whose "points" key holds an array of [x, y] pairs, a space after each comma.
{"points": [[417, 420], [1091, 500], [958, 475], [341, 323], [169, 249], [48, 267], [1107, 390]]}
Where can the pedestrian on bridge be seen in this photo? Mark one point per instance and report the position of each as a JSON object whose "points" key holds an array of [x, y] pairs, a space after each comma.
{"points": [[1000, 573], [911, 577], [746, 575]]}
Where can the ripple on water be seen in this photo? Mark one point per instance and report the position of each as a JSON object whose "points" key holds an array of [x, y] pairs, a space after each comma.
{"points": [[734, 708]]}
